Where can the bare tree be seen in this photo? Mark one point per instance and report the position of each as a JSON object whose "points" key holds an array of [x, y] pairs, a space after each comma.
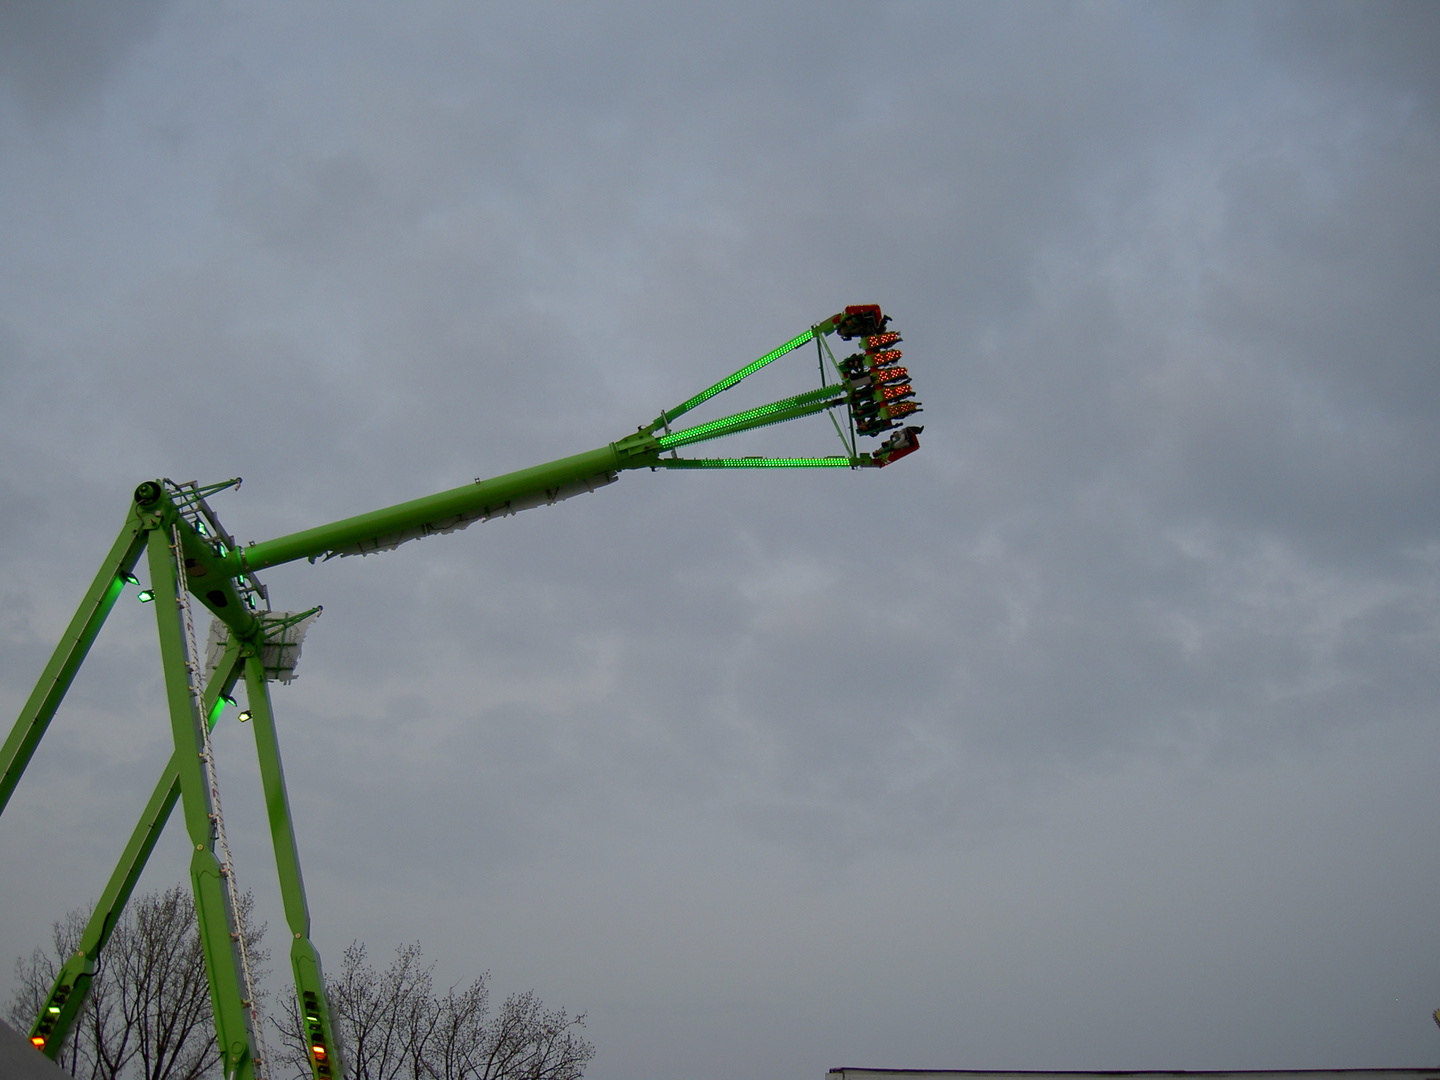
{"points": [[392, 1026], [526, 1042], [148, 1014]]}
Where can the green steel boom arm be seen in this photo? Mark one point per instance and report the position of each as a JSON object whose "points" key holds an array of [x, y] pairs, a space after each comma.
{"points": [[501, 495], [443, 512], [648, 447]]}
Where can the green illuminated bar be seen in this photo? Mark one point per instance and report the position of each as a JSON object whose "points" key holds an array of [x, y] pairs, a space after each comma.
{"points": [[761, 463], [811, 401], [729, 381]]}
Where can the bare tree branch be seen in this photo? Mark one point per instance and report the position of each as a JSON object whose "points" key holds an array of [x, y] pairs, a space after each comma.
{"points": [[392, 1026], [148, 1014]]}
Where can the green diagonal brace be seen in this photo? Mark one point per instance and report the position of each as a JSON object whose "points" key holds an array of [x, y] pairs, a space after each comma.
{"points": [[72, 985], [69, 654]]}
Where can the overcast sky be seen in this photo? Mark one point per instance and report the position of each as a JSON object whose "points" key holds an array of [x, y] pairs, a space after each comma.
{"points": [[1098, 734]]}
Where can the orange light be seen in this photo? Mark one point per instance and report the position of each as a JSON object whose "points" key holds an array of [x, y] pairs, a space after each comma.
{"points": [[889, 356], [893, 392], [38, 1041], [318, 1051]]}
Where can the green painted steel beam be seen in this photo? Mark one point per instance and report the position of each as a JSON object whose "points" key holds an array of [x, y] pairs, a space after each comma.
{"points": [[277, 800], [55, 680], [470, 500], [321, 1046], [218, 930], [72, 986]]}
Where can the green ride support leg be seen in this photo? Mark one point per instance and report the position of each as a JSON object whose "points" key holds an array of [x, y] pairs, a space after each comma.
{"points": [[304, 959], [219, 933], [67, 994], [69, 654]]}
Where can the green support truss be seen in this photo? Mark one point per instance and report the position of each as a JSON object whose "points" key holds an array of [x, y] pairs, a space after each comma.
{"points": [[190, 556]]}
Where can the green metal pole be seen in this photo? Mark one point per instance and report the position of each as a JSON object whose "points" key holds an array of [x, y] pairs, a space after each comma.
{"points": [[219, 934], [67, 994], [35, 717], [320, 1046]]}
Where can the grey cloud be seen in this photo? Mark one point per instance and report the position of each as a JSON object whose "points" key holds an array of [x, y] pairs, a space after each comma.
{"points": [[59, 56], [1386, 47]]}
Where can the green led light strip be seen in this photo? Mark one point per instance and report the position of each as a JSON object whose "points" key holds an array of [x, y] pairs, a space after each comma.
{"points": [[716, 428], [758, 463], [748, 369]]}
